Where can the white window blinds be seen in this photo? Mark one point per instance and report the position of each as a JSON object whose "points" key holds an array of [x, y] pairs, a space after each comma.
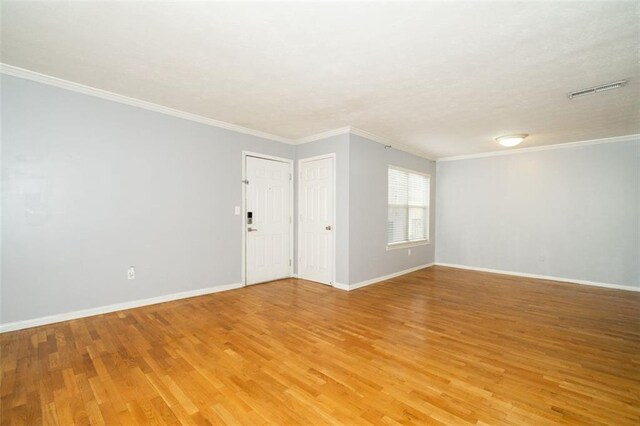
{"points": [[408, 214]]}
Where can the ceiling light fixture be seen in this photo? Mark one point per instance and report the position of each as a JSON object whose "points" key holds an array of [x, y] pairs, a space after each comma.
{"points": [[511, 140], [597, 89]]}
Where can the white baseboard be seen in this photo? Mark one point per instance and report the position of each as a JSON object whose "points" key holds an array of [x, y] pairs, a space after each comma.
{"points": [[341, 286], [349, 287], [541, 277], [19, 325]]}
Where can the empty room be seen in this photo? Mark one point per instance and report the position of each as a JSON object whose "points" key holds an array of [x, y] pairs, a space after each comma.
{"points": [[309, 213]]}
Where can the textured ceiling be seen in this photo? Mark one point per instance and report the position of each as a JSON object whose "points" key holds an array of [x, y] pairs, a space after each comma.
{"points": [[443, 78]]}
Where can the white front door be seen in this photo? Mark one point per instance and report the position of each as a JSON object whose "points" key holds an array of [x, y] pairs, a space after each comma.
{"points": [[268, 220], [315, 219]]}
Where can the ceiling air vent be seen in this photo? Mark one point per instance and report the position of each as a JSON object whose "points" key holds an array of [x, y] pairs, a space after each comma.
{"points": [[596, 89]]}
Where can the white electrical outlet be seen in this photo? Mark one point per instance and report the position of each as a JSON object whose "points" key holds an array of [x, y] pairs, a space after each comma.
{"points": [[409, 252], [237, 210], [131, 273]]}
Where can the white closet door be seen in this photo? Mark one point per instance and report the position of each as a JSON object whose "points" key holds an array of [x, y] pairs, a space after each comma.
{"points": [[315, 220]]}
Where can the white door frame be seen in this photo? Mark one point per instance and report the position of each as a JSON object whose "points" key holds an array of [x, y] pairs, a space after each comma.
{"points": [[334, 226], [289, 161]]}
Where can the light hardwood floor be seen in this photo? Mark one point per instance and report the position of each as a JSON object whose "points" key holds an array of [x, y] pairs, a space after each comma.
{"points": [[438, 346]]}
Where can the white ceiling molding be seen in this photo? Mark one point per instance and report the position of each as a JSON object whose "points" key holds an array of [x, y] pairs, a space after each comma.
{"points": [[364, 134], [626, 138], [252, 65], [323, 135], [385, 141], [104, 94]]}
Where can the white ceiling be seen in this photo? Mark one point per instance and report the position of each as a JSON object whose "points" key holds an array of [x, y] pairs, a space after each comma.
{"points": [[442, 78]]}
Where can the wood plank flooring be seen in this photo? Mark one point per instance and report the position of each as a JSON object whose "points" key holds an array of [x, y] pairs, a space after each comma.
{"points": [[438, 346]]}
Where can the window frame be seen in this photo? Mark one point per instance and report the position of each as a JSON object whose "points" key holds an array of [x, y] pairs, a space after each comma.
{"points": [[416, 242]]}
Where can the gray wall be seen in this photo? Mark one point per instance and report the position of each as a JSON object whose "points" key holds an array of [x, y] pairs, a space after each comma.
{"points": [[91, 187], [569, 213], [340, 146], [368, 255]]}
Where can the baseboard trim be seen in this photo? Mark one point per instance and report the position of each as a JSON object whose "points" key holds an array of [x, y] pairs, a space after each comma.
{"points": [[340, 286], [540, 277], [350, 287], [51, 319]]}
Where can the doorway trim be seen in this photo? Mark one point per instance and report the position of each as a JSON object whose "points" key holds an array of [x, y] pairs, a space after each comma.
{"points": [[332, 156], [243, 213]]}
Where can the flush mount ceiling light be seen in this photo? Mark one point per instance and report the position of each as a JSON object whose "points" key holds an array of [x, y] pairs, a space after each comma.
{"points": [[597, 89], [511, 140]]}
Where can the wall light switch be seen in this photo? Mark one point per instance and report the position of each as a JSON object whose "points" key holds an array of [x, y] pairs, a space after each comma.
{"points": [[131, 273], [237, 210], [409, 252]]}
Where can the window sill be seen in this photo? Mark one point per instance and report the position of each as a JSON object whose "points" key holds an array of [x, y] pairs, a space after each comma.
{"points": [[408, 244]]}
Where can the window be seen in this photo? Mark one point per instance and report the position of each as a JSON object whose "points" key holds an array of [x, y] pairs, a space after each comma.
{"points": [[408, 214]]}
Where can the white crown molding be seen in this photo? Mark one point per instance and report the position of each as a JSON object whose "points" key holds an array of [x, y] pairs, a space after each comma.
{"points": [[51, 319], [541, 277], [104, 94], [386, 142], [323, 135], [364, 134], [625, 138]]}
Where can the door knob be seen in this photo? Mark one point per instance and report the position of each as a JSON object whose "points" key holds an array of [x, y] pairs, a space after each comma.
{"points": [[250, 229], [328, 228]]}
